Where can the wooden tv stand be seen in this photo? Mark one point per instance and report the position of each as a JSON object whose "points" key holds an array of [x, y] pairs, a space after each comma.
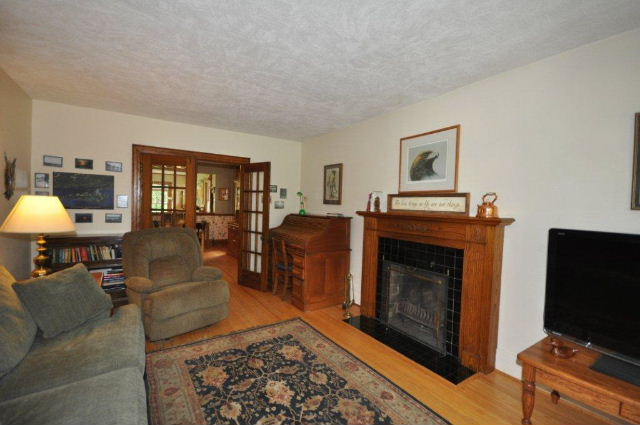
{"points": [[574, 378]]}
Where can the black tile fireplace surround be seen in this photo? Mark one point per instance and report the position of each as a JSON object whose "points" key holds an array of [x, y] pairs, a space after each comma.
{"points": [[443, 260]]}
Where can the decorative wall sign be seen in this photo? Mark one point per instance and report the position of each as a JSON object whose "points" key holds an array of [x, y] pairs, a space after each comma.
{"points": [[113, 166], [332, 193], [52, 161], [279, 205], [429, 161], [112, 218], [41, 180], [84, 217], [449, 203], [283, 193], [273, 188], [86, 164], [84, 191], [635, 194]]}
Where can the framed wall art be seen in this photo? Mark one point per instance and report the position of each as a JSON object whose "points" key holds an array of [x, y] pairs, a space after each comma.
{"points": [[429, 161], [114, 166], [84, 191], [635, 184], [332, 192], [112, 218], [85, 164], [52, 161], [83, 217], [41, 180], [122, 201]]}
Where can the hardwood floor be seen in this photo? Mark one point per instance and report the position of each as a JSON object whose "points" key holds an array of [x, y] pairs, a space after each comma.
{"points": [[481, 399]]}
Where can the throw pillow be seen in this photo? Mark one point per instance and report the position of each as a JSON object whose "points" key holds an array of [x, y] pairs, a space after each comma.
{"points": [[17, 328], [63, 300]]}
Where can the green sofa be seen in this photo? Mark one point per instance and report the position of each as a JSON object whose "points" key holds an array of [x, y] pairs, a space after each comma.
{"points": [[91, 374]]}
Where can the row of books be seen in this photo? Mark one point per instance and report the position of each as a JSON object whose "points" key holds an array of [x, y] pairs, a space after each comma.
{"points": [[112, 278], [87, 253]]}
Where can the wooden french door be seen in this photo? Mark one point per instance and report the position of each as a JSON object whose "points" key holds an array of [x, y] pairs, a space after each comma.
{"points": [[254, 225], [168, 191]]}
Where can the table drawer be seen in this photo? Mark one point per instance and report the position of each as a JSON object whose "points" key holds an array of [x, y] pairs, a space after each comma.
{"points": [[579, 392]]}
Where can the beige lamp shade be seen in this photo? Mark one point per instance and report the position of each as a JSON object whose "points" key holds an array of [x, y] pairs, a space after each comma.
{"points": [[38, 214]]}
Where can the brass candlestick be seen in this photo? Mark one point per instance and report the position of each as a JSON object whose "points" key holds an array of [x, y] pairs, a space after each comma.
{"points": [[348, 297]]}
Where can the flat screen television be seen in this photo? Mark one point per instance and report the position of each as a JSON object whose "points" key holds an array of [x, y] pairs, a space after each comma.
{"points": [[593, 291]]}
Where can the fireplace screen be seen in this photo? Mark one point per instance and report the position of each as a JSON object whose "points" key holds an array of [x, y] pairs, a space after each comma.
{"points": [[415, 303]]}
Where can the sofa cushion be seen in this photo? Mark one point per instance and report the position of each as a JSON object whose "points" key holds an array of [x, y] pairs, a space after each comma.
{"points": [[63, 300], [169, 270], [98, 346], [17, 328], [116, 398]]}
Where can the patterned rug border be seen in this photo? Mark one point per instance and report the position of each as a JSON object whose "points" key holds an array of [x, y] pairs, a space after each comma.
{"points": [[295, 319]]}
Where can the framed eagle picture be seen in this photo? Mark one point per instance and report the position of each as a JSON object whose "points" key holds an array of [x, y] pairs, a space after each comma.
{"points": [[429, 161]]}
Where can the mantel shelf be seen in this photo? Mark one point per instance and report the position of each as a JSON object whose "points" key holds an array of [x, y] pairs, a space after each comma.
{"points": [[445, 218]]}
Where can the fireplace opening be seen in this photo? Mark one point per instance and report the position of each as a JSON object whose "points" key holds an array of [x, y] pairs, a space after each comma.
{"points": [[418, 305], [415, 303]]}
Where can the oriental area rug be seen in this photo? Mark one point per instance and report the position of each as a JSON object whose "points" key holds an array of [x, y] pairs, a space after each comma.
{"points": [[284, 373]]}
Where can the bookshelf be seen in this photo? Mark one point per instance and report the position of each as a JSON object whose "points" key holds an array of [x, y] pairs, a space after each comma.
{"points": [[96, 252]]}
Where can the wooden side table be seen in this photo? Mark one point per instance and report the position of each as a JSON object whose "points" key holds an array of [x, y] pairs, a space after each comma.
{"points": [[574, 378]]}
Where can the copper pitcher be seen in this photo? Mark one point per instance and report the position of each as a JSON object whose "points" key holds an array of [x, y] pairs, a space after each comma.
{"points": [[488, 209]]}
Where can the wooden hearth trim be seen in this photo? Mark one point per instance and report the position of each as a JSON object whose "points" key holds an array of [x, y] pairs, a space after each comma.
{"points": [[482, 241]]}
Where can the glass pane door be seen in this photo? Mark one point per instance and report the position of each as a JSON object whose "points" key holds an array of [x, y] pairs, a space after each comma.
{"points": [[168, 195], [254, 224]]}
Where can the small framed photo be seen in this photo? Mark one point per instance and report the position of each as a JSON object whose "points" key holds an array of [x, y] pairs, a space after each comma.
{"points": [[122, 201], [332, 193], [223, 194], [114, 166], [429, 161], [84, 217], [273, 188], [52, 161], [85, 164], [283, 193], [279, 205], [112, 218], [41, 180], [42, 193]]}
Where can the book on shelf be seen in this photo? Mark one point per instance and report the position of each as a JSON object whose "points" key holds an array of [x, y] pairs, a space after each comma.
{"points": [[88, 253], [112, 277]]}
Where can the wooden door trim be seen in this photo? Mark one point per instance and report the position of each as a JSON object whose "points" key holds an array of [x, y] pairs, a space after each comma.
{"points": [[190, 156]]}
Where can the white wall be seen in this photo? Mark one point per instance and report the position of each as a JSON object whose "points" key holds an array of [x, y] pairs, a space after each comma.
{"points": [[554, 139], [78, 132], [15, 141]]}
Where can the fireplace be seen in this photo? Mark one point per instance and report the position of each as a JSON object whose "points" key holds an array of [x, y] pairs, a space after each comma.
{"points": [[431, 288], [415, 303]]}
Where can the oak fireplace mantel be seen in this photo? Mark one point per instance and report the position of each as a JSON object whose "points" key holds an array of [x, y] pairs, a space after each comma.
{"points": [[480, 238]]}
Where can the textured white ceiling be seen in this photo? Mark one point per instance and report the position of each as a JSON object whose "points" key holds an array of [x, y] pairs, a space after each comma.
{"points": [[285, 68]]}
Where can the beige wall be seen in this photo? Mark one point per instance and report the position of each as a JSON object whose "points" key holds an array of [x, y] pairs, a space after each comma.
{"points": [[15, 141], [78, 132], [554, 139]]}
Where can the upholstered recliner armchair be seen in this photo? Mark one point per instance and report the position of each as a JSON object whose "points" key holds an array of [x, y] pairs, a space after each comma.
{"points": [[166, 279]]}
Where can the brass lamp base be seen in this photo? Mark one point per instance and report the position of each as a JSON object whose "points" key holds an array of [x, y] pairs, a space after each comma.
{"points": [[42, 259]]}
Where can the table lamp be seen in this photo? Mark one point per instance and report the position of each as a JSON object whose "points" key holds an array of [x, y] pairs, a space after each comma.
{"points": [[38, 215]]}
